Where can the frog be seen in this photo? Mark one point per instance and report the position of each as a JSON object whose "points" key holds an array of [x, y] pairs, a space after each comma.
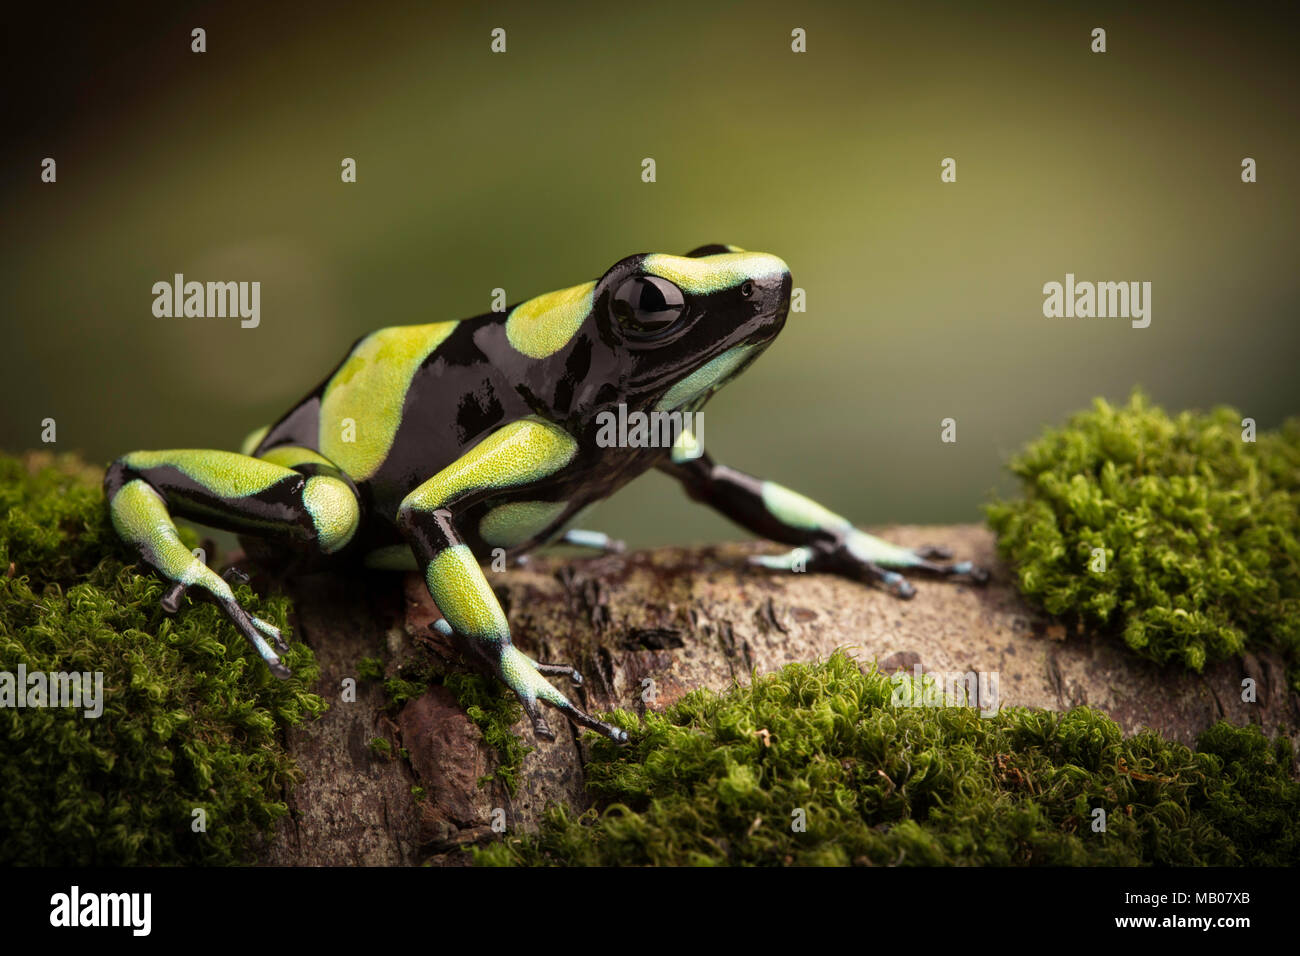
{"points": [[436, 447]]}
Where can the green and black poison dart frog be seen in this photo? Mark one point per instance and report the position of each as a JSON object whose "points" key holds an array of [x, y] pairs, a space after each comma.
{"points": [[429, 446]]}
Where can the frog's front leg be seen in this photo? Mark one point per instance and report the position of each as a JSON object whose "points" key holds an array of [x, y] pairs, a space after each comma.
{"points": [[592, 540], [235, 492], [825, 541], [517, 455]]}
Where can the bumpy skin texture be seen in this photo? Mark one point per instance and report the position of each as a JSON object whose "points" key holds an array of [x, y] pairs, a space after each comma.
{"points": [[430, 446]]}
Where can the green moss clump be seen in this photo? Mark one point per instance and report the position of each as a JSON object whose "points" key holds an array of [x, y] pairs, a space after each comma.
{"points": [[191, 716], [722, 779], [370, 668], [1200, 531], [490, 706], [494, 710]]}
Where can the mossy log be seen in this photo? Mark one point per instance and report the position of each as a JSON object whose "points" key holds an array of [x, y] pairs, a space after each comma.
{"points": [[657, 624]]}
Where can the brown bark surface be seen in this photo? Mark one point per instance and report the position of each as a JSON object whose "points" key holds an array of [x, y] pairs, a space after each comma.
{"points": [[674, 620]]}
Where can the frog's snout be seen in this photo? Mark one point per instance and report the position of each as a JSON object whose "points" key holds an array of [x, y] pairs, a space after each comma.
{"points": [[783, 300], [775, 286]]}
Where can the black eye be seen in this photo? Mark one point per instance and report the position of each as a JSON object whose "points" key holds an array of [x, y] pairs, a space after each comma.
{"points": [[747, 289], [647, 304]]}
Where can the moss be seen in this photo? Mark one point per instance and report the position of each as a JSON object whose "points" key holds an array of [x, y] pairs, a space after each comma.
{"points": [[1200, 531], [494, 710], [191, 716], [400, 690], [721, 779], [370, 668], [490, 706], [381, 748]]}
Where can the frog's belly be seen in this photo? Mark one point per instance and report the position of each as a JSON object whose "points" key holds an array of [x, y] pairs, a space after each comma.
{"points": [[513, 527]]}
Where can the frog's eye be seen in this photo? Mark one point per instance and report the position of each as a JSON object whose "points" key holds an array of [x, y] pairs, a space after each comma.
{"points": [[647, 305]]}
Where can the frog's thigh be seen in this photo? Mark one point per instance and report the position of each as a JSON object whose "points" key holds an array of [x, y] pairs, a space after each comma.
{"points": [[254, 496], [515, 456]]}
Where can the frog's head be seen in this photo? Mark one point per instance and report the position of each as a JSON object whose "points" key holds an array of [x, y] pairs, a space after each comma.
{"points": [[686, 325]]}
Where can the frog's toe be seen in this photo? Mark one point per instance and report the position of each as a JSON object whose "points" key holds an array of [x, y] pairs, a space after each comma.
{"points": [[931, 552], [973, 572], [171, 601], [799, 559], [559, 670], [233, 575], [897, 585], [271, 631], [593, 540], [540, 727], [580, 717], [583, 719]]}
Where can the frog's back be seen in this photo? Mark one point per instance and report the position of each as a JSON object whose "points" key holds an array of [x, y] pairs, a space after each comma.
{"points": [[401, 405]]}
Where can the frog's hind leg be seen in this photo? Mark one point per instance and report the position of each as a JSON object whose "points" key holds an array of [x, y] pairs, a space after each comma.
{"points": [[263, 497]]}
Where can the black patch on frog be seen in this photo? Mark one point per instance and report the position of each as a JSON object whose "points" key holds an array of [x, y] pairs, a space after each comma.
{"points": [[576, 369], [479, 411]]}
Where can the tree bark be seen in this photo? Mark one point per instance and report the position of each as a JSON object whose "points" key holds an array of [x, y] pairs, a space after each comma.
{"points": [[661, 623]]}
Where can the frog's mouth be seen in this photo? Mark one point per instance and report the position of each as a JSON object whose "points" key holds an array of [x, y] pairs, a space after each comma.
{"points": [[710, 376]]}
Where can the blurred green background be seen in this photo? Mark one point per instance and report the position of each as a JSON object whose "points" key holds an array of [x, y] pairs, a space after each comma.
{"points": [[523, 171]]}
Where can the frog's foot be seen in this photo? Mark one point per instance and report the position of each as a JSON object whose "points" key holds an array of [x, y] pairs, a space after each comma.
{"points": [[864, 549], [254, 629], [832, 561], [595, 540], [923, 559], [526, 679], [235, 576], [865, 557]]}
